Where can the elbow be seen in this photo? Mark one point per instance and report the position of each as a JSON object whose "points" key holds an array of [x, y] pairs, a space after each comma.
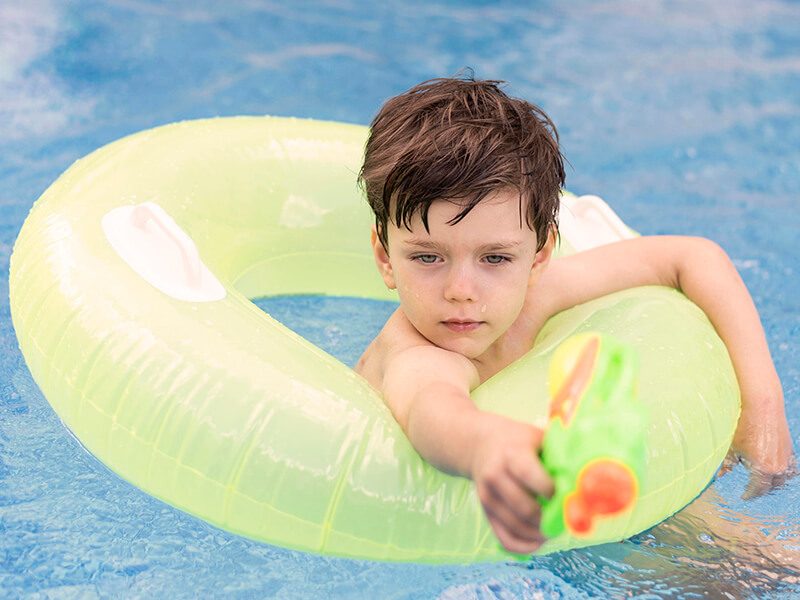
{"points": [[711, 253], [700, 253], [707, 246], [696, 247]]}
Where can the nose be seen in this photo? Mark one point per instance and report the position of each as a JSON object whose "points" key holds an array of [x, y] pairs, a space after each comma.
{"points": [[460, 285]]}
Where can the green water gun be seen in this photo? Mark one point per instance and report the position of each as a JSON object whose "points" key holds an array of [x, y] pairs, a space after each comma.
{"points": [[594, 446]]}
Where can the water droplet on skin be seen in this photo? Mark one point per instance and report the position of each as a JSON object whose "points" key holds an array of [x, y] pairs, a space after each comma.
{"points": [[483, 309]]}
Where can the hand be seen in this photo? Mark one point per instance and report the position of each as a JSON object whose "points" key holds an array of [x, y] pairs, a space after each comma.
{"points": [[508, 476], [763, 443]]}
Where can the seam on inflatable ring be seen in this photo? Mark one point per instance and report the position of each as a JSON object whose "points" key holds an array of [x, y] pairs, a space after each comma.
{"points": [[333, 505], [166, 416], [92, 360], [36, 311], [486, 534], [265, 417], [672, 482]]}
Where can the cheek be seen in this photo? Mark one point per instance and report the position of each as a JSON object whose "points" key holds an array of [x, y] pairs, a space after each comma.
{"points": [[413, 297], [413, 285], [409, 299], [512, 307], [512, 294]]}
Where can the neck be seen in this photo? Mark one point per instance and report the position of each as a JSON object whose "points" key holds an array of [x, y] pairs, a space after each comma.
{"points": [[497, 356]]}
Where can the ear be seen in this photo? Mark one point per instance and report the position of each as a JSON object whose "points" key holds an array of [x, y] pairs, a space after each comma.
{"points": [[382, 259], [544, 255]]}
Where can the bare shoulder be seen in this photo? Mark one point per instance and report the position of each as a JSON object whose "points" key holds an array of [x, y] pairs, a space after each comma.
{"points": [[399, 353], [416, 369], [396, 335]]}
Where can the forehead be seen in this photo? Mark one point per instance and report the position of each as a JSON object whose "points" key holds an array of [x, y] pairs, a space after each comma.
{"points": [[499, 218]]}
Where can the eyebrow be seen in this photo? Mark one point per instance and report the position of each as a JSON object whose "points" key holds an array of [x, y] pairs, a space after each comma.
{"points": [[431, 245]]}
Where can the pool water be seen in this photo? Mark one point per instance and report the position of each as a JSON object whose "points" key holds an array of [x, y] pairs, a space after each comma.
{"points": [[685, 116]]}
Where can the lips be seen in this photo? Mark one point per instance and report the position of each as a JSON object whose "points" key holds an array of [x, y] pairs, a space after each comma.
{"points": [[461, 326]]}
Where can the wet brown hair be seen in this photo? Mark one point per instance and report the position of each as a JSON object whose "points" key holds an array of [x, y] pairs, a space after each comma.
{"points": [[460, 140]]}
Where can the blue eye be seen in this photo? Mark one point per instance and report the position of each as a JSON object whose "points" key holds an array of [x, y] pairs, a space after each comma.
{"points": [[425, 259], [496, 259]]}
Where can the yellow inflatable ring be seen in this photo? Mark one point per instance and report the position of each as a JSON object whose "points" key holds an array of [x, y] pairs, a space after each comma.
{"points": [[130, 284]]}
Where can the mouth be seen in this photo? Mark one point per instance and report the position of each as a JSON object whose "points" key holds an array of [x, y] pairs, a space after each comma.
{"points": [[461, 326]]}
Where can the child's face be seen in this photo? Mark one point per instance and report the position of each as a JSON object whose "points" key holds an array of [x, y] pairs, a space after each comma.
{"points": [[462, 286]]}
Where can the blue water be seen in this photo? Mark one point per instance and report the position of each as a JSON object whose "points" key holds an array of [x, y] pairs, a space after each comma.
{"points": [[685, 116]]}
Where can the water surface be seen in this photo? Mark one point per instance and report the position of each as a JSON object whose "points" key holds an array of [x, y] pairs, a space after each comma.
{"points": [[685, 116]]}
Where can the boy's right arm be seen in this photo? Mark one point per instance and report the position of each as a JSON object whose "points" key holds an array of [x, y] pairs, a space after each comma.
{"points": [[427, 389]]}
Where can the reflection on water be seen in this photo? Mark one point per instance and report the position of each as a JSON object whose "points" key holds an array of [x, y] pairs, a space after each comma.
{"points": [[715, 548], [706, 549], [35, 102], [684, 115]]}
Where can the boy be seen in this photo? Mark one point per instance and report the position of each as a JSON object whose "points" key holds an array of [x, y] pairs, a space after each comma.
{"points": [[464, 182]]}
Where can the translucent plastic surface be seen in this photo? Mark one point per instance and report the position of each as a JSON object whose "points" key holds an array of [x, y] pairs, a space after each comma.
{"points": [[219, 410], [683, 115]]}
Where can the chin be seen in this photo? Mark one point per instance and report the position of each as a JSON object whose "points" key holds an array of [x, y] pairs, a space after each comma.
{"points": [[466, 348], [464, 345]]}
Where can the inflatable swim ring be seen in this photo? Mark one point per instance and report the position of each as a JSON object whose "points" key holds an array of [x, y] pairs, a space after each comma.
{"points": [[130, 289]]}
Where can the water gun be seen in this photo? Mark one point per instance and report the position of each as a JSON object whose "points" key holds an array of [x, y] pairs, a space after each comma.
{"points": [[594, 446]]}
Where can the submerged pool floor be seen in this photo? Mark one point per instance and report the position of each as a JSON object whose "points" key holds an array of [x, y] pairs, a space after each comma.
{"points": [[685, 116]]}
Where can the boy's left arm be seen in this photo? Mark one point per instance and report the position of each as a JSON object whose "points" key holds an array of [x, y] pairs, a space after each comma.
{"points": [[703, 271]]}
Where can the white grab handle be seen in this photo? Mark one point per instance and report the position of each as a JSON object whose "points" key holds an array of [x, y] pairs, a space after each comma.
{"points": [[587, 222], [149, 240], [149, 212]]}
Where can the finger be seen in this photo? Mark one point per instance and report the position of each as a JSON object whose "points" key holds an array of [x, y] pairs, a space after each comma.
{"points": [[762, 482], [791, 470], [758, 484], [518, 508], [496, 506], [538, 437], [529, 472], [511, 541], [730, 460]]}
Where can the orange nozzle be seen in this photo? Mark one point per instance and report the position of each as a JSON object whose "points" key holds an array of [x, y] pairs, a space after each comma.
{"points": [[604, 487]]}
